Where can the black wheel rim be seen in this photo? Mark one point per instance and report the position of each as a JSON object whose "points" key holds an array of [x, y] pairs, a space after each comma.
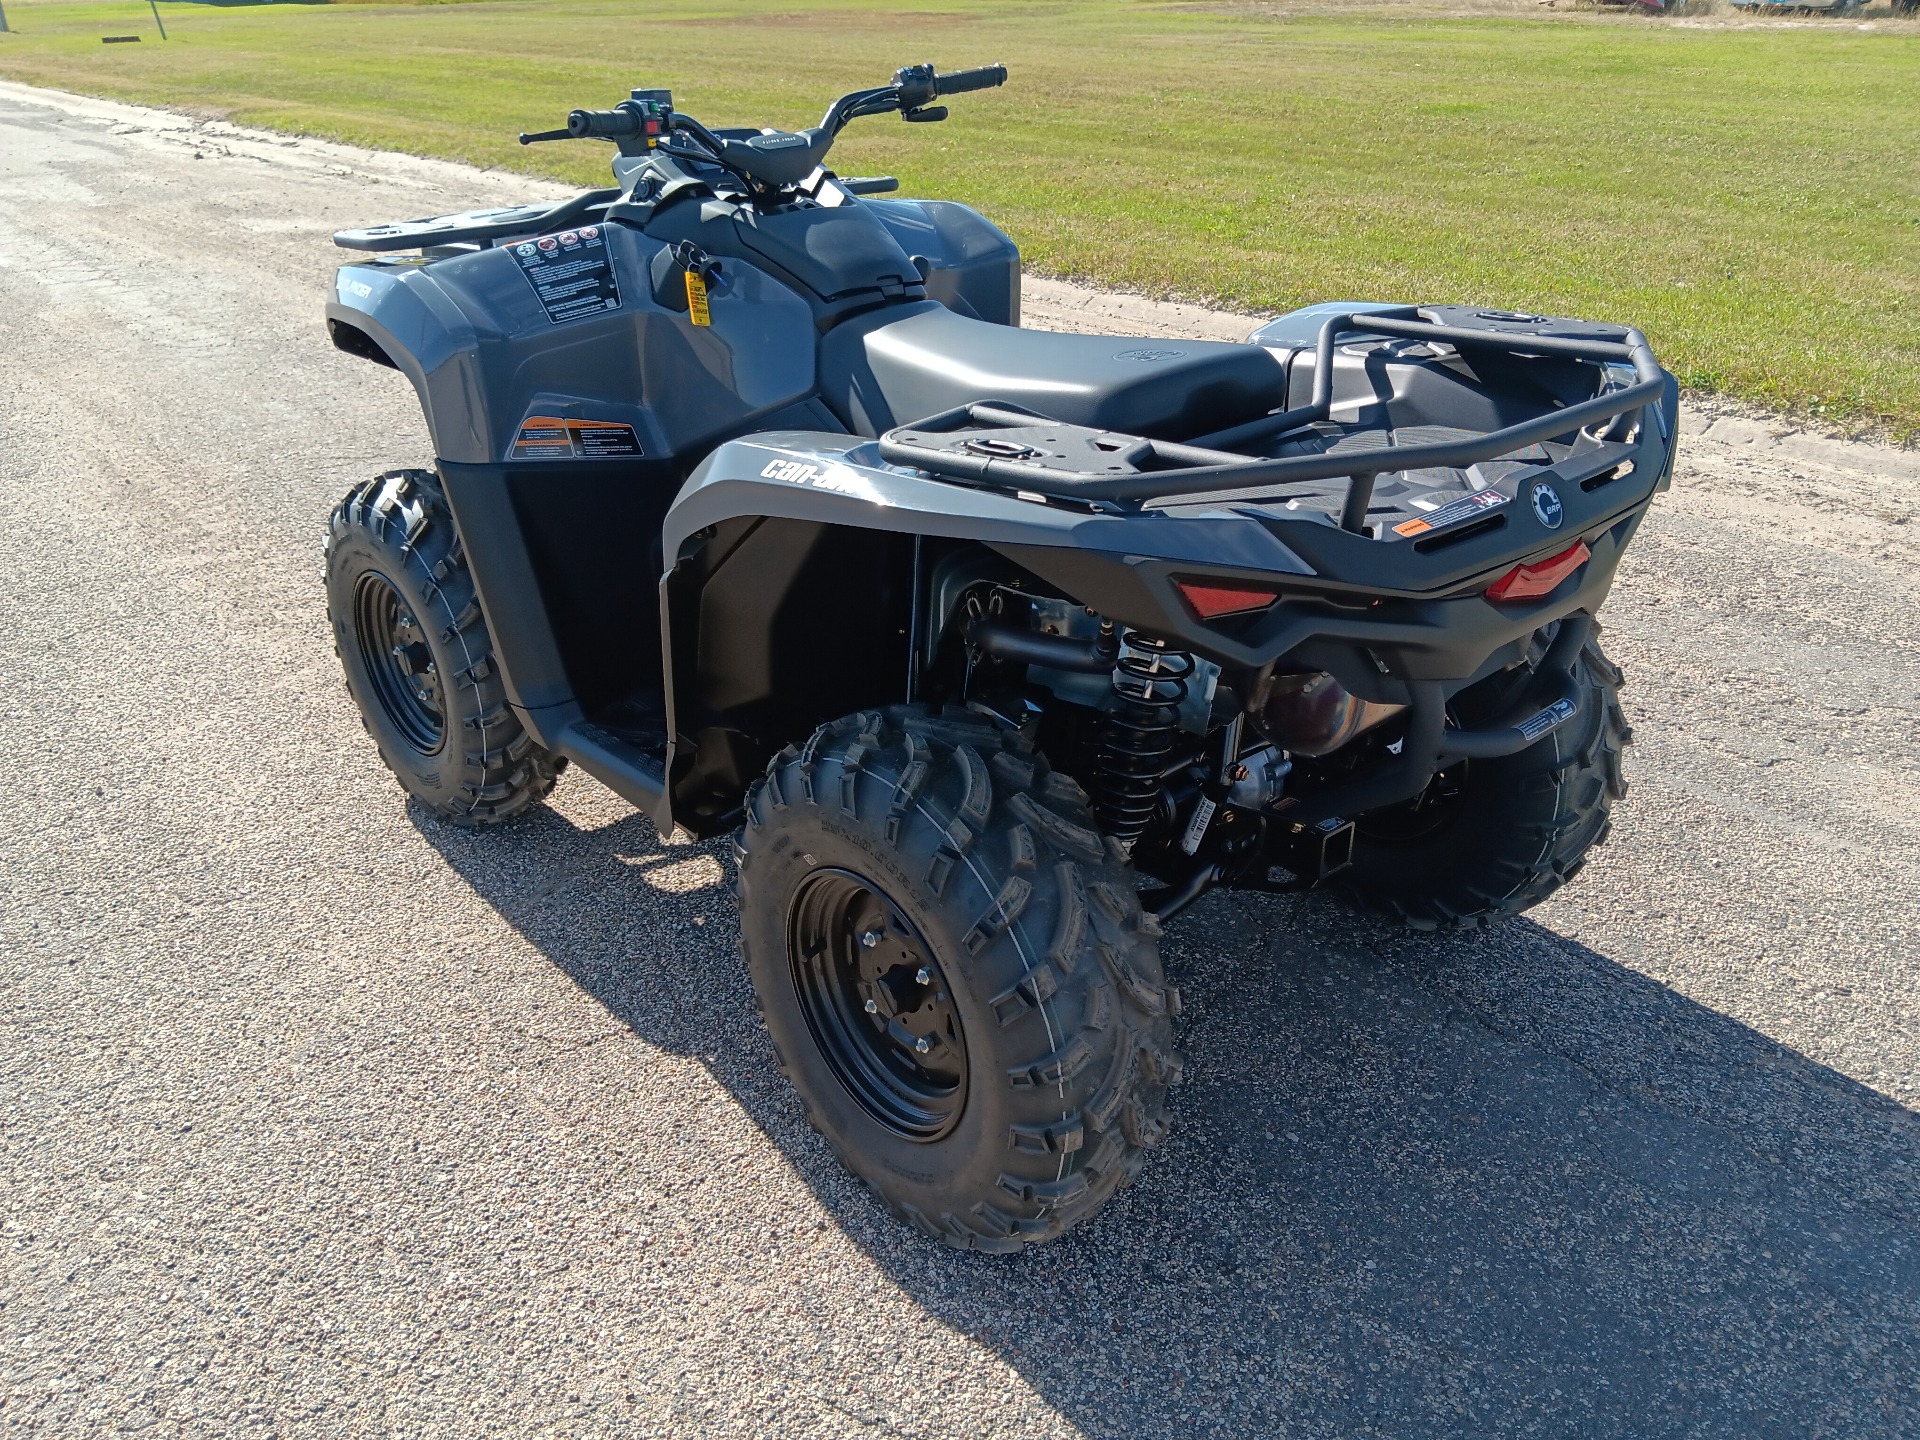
{"points": [[398, 662], [878, 1005]]}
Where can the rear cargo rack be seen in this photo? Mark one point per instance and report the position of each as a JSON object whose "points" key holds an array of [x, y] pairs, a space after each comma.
{"points": [[1148, 472]]}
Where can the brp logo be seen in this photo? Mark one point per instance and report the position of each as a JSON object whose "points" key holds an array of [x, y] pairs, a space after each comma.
{"points": [[1546, 504]]}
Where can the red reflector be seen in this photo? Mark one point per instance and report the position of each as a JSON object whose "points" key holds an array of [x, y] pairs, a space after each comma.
{"points": [[1529, 582], [1215, 598]]}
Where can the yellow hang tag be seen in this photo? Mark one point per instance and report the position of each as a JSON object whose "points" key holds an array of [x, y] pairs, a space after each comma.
{"points": [[697, 299]]}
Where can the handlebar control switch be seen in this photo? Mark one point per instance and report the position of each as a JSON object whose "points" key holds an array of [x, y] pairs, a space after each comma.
{"points": [[916, 86], [655, 108]]}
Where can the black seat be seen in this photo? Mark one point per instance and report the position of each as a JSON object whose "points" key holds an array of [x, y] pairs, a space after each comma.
{"points": [[894, 366]]}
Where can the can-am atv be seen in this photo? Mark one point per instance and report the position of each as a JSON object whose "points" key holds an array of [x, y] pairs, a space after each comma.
{"points": [[994, 648]]}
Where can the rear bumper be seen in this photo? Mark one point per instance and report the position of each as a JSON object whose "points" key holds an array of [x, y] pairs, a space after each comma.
{"points": [[1379, 645], [1553, 701]]}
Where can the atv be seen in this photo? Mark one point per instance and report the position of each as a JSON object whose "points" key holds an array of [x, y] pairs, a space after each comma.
{"points": [[993, 649]]}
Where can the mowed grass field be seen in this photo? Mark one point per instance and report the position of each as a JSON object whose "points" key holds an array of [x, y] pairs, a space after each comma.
{"points": [[1748, 195]]}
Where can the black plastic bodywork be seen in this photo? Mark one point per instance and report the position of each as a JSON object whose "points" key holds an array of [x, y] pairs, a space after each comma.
{"points": [[770, 550]]}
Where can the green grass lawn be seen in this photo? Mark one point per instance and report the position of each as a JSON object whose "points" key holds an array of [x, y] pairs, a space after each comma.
{"points": [[1749, 196]]}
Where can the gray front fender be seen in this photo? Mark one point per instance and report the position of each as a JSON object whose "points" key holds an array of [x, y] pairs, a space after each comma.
{"points": [[427, 338]]}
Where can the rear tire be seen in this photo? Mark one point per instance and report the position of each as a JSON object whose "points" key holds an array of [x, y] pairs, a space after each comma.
{"points": [[1499, 836], [911, 879], [418, 659]]}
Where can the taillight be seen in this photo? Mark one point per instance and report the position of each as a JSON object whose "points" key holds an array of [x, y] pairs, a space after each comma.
{"points": [[1211, 599], [1529, 582]]}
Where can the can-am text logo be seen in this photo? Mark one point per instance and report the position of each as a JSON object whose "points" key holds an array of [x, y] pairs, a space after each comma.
{"points": [[794, 470]]}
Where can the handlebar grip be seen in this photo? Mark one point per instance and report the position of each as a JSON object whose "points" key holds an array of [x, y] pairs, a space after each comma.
{"points": [[961, 81], [602, 124]]}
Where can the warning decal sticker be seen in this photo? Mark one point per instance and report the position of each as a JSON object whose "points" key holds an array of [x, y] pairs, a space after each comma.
{"points": [[1551, 718], [549, 437], [1459, 510], [571, 272]]}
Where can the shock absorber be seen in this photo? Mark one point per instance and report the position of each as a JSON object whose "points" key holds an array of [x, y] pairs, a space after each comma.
{"points": [[1142, 714]]}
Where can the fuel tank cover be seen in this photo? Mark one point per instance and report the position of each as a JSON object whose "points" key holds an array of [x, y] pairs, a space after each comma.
{"points": [[834, 252]]}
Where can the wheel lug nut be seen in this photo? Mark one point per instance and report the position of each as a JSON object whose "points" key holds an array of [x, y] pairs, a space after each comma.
{"points": [[924, 975], [869, 938], [923, 1045], [873, 1007]]}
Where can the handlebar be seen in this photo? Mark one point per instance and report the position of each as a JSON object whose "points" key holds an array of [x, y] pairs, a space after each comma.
{"points": [[914, 89], [772, 158], [983, 77], [629, 120], [911, 95], [590, 125], [603, 124]]}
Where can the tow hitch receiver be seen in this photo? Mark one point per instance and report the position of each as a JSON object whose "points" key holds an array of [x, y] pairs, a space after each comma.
{"points": [[1301, 856]]}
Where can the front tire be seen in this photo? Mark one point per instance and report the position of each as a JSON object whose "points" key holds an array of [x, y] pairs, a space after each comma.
{"points": [[418, 658], [1491, 838], [956, 973]]}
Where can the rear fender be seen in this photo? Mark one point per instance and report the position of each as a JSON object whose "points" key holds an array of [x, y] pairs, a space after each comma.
{"points": [[794, 582], [794, 574], [840, 480]]}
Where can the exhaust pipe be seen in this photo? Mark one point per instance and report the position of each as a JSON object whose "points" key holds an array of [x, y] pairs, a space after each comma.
{"points": [[1313, 714]]}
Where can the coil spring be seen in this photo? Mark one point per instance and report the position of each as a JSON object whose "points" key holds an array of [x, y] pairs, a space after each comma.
{"points": [[1142, 714]]}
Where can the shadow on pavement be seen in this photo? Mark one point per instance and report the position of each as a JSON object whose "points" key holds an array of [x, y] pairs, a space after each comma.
{"points": [[1487, 1184]]}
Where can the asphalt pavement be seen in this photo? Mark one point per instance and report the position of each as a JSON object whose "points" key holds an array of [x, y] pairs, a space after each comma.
{"points": [[319, 1119]]}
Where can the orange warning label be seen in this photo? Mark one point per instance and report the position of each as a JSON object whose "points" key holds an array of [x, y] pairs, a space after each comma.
{"points": [[553, 437], [1474, 504]]}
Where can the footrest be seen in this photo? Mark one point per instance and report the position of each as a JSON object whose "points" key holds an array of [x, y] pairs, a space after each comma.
{"points": [[637, 776]]}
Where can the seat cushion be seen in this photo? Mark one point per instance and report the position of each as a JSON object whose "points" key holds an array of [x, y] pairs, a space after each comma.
{"points": [[898, 365]]}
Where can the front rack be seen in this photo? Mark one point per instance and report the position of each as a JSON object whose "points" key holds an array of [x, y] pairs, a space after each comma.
{"points": [[477, 226], [1206, 466]]}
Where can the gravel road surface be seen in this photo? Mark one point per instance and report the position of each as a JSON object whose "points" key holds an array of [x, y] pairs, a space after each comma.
{"points": [[320, 1119]]}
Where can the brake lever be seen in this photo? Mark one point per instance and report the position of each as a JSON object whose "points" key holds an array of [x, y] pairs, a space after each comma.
{"points": [[546, 135]]}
